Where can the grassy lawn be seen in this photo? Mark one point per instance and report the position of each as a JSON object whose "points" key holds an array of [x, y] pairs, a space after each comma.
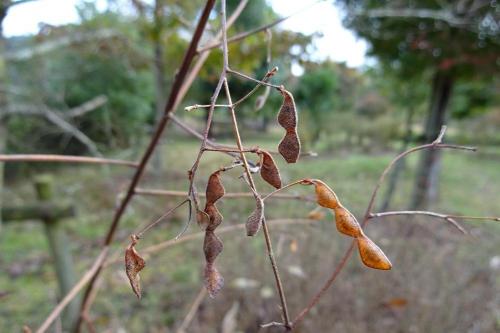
{"points": [[425, 266]]}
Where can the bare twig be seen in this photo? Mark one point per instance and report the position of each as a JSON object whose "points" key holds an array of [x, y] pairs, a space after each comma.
{"points": [[230, 195], [445, 217], [192, 310], [176, 86], [74, 291], [315, 299], [64, 159]]}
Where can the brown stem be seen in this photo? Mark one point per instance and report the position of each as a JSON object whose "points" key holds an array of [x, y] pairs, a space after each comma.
{"points": [[176, 86], [64, 159], [315, 299]]}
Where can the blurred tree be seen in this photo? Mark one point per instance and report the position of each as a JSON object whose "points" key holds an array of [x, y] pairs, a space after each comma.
{"points": [[453, 39]]}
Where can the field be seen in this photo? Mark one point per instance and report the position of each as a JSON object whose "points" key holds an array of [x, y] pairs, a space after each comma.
{"points": [[441, 281]]}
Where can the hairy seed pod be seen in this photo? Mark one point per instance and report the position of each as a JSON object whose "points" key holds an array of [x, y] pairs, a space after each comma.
{"points": [[215, 217], [287, 116], [324, 195], [212, 246], [289, 147], [203, 219], [254, 221], [134, 263], [215, 189], [213, 280], [346, 222], [269, 171], [371, 255]]}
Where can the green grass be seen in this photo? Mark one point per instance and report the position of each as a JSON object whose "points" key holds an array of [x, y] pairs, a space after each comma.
{"points": [[469, 185]]}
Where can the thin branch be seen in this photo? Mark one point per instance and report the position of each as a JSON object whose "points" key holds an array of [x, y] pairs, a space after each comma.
{"points": [[445, 217], [438, 215], [243, 35], [192, 310], [74, 291], [158, 220], [229, 195], [247, 77], [64, 159], [86, 107], [176, 86], [315, 299]]}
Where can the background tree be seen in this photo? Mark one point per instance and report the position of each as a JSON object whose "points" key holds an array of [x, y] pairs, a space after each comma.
{"points": [[451, 39]]}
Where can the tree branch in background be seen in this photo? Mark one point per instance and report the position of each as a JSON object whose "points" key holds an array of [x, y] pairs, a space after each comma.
{"points": [[64, 159]]}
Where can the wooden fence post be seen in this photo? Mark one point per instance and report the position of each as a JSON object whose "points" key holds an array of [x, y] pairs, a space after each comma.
{"points": [[60, 250]]}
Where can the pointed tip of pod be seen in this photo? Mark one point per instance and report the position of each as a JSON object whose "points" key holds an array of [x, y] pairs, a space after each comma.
{"points": [[371, 255]]}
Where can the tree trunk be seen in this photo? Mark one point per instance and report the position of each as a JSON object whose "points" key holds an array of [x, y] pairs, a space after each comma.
{"points": [[428, 168]]}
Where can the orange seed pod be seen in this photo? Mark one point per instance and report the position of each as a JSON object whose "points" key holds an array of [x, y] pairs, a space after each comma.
{"points": [[346, 222], [324, 195], [371, 255]]}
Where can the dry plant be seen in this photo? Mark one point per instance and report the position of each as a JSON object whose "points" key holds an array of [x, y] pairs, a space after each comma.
{"points": [[210, 218]]}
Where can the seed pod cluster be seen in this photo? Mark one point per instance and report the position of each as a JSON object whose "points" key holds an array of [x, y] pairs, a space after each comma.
{"points": [[209, 220], [289, 147], [371, 255], [134, 263], [268, 169]]}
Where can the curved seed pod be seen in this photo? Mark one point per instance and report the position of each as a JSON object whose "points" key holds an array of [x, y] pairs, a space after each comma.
{"points": [[215, 217], [371, 255], [215, 189], [203, 219], [213, 280], [212, 246], [346, 223], [289, 147], [134, 263], [254, 221], [269, 171], [287, 116], [324, 195]]}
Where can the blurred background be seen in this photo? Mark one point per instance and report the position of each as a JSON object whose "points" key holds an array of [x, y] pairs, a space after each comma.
{"points": [[370, 79]]}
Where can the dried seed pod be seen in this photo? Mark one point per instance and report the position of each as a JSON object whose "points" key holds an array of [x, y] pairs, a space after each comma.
{"points": [[289, 147], [316, 215], [346, 222], [215, 217], [324, 195], [268, 170], [212, 246], [134, 263], [203, 219], [215, 189], [254, 221], [213, 280], [287, 116], [371, 255]]}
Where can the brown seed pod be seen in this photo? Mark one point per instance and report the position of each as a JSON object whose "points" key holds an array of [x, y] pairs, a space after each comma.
{"points": [[371, 255], [324, 195], [213, 280], [203, 219], [254, 221], [268, 169], [212, 246], [134, 263], [215, 189], [289, 147], [215, 217], [287, 116], [346, 222]]}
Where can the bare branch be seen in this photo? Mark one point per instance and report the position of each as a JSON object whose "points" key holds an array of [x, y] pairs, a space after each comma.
{"points": [[64, 159]]}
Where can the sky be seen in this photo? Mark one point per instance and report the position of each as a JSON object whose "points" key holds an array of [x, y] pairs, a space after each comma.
{"points": [[336, 43]]}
